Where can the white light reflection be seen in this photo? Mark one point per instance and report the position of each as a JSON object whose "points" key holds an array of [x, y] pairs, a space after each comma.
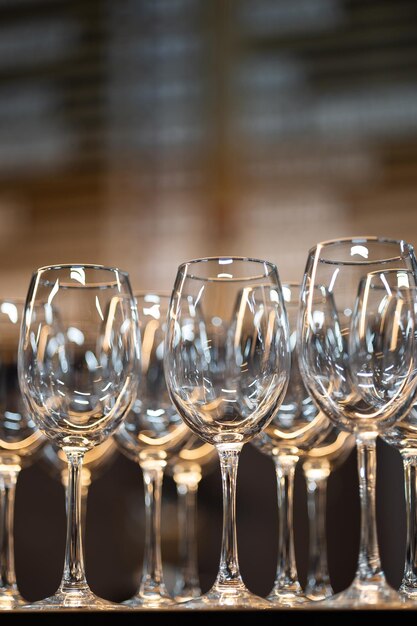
{"points": [[10, 309], [53, 291], [273, 294], [78, 274], [155, 413], [119, 287], [224, 275], [150, 297], [200, 293], [293, 340], [333, 279], [387, 287], [359, 250], [49, 318], [286, 292], [91, 360], [16, 417], [153, 311], [75, 335], [318, 318], [403, 280], [225, 261], [98, 307]]}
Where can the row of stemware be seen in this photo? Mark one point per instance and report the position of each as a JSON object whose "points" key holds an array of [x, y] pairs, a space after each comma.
{"points": [[219, 364]]}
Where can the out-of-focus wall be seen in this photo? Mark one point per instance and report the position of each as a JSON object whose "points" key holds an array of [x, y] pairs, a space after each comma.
{"points": [[142, 133]]}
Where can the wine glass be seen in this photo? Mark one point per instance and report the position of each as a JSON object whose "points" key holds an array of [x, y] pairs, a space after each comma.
{"points": [[195, 458], [358, 365], [318, 463], [79, 357], [150, 434], [296, 427], [20, 442], [95, 461], [227, 370], [403, 437]]}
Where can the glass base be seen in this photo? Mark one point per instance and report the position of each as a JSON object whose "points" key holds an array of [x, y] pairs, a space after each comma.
{"points": [[321, 592], [234, 597], [83, 599], [408, 592], [187, 594], [150, 601], [376, 593], [10, 599], [292, 595]]}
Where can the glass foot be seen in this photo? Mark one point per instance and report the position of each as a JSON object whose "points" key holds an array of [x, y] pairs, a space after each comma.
{"points": [[376, 593], [408, 593], [186, 595], [235, 597], [150, 601], [10, 599], [319, 592], [293, 596], [83, 599]]}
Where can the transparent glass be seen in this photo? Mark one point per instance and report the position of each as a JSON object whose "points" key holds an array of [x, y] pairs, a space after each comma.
{"points": [[227, 364], [20, 443], [79, 356], [95, 461], [317, 464], [151, 433], [357, 361], [195, 459], [297, 426], [403, 436]]}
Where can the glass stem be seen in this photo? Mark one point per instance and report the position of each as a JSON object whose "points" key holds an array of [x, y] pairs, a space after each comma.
{"points": [[74, 570], [286, 576], [369, 564], [229, 573], [409, 582], [84, 496], [8, 481], [188, 584], [152, 578], [318, 579]]}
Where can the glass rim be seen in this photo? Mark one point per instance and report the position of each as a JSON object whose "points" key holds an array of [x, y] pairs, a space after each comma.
{"points": [[90, 266], [182, 268], [391, 271], [404, 246]]}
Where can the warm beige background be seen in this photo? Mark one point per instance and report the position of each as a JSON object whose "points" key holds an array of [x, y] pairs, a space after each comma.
{"points": [[143, 133]]}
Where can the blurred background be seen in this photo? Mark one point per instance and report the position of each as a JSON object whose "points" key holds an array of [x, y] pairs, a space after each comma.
{"points": [[141, 133]]}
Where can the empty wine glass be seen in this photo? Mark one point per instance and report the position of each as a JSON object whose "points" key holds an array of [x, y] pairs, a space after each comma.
{"points": [[403, 437], [318, 463], [150, 434], [227, 370], [356, 359], [20, 442], [296, 427], [195, 459], [78, 372]]}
